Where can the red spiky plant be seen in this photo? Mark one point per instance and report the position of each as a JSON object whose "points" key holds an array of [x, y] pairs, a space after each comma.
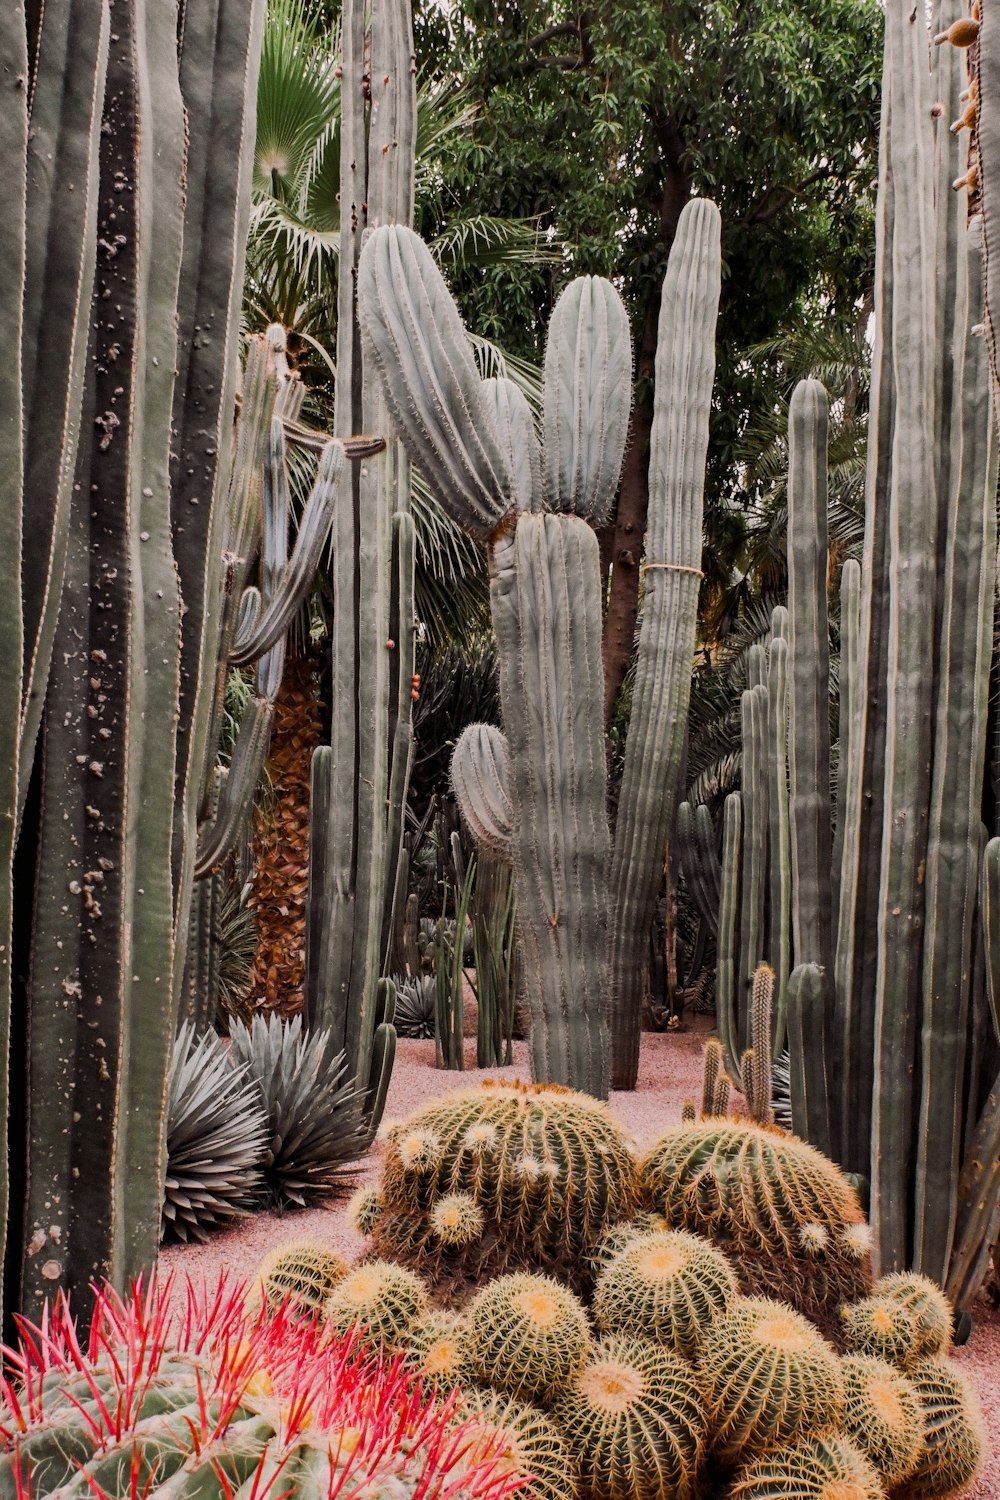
{"points": [[172, 1397]]}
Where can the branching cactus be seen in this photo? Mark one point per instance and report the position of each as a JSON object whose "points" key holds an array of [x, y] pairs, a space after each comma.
{"points": [[475, 442]]}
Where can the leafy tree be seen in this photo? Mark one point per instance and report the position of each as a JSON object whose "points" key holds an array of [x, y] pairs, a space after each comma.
{"points": [[604, 118]]}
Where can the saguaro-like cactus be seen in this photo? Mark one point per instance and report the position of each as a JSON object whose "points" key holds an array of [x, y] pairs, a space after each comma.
{"points": [[359, 780], [685, 369]]}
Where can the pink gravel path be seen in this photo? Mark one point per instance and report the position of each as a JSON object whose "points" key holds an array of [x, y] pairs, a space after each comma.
{"points": [[669, 1073]]}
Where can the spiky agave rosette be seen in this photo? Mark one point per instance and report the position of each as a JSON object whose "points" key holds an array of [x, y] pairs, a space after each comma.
{"points": [[212, 1401]]}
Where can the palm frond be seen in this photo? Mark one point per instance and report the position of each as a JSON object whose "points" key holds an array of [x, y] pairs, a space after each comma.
{"points": [[480, 240]]}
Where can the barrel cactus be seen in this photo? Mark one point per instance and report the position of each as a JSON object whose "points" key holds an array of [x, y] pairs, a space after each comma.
{"points": [[525, 1440], [528, 1336], [617, 1236], [381, 1303], [883, 1417], [927, 1303], [823, 1467], [437, 1349], [882, 1329], [301, 1273], [209, 1401], [671, 1285], [788, 1218], [769, 1378], [634, 1419], [548, 1170], [955, 1441]]}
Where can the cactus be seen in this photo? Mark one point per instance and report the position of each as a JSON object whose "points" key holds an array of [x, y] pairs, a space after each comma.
{"points": [[211, 1399], [438, 1350], [456, 1219], [685, 368], [528, 1336], [769, 1378], [617, 1236], [549, 1170], [955, 1440], [479, 778], [634, 1421], [381, 1302], [883, 1417], [356, 822], [364, 1210], [671, 1285], [699, 860], [757, 1081], [300, 1274], [884, 1329], [927, 1303], [217, 1133], [818, 1468], [753, 1191], [522, 1437]]}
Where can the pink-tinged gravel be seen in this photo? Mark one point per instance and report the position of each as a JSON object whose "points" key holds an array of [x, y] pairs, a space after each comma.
{"points": [[669, 1073]]}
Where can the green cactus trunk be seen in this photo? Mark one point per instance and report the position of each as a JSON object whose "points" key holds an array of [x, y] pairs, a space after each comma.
{"points": [[685, 369], [545, 593]]}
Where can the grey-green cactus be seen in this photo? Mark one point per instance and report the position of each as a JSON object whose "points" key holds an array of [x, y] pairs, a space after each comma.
{"points": [[685, 368], [479, 776]]}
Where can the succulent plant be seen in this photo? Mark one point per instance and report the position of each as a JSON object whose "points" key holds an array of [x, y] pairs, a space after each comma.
{"points": [[928, 1304], [670, 1285], [882, 1417], [825, 1466], [634, 1420], [364, 1210], [955, 1441], [617, 1236], [416, 1005], [314, 1112], [206, 1400], [769, 1378], [216, 1139], [528, 1336], [882, 1328], [300, 1274], [548, 1169], [788, 1218], [380, 1302], [438, 1350], [527, 1439]]}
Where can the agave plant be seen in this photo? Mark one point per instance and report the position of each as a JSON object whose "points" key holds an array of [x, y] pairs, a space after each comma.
{"points": [[315, 1114], [416, 997], [216, 1138]]}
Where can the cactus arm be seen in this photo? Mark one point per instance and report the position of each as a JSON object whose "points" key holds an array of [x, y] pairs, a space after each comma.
{"points": [[966, 641], [219, 43], [587, 398], [415, 338], [480, 776], [13, 148], [778, 830], [909, 686], [291, 579], [726, 942], [685, 368], [807, 1003], [546, 598], [245, 770], [516, 430], [753, 878], [67, 90]]}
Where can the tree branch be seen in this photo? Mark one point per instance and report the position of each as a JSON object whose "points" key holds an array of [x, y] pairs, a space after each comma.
{"points": [[767, 211]]}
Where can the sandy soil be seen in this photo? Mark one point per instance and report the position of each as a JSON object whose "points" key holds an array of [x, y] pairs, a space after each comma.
{"points": [[670, 1072]]}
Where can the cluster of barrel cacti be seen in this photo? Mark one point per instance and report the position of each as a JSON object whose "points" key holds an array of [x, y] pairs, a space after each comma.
{"points": [[536, 795], [218, 1400], [668, 1359]]}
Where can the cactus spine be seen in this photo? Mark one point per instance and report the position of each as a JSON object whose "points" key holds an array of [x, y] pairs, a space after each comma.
{"points": [[685, 368]]}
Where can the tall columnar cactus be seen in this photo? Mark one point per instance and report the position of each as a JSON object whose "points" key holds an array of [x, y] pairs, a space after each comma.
{"points": [[475, 443], [132, 258], [356, 818], [685, 369]]}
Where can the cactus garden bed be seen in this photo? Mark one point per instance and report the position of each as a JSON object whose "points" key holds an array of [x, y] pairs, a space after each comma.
{"points": [[670, 1073]]}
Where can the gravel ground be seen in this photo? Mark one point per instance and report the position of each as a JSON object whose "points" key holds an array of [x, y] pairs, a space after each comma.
{"points": [[670, 1072]]}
